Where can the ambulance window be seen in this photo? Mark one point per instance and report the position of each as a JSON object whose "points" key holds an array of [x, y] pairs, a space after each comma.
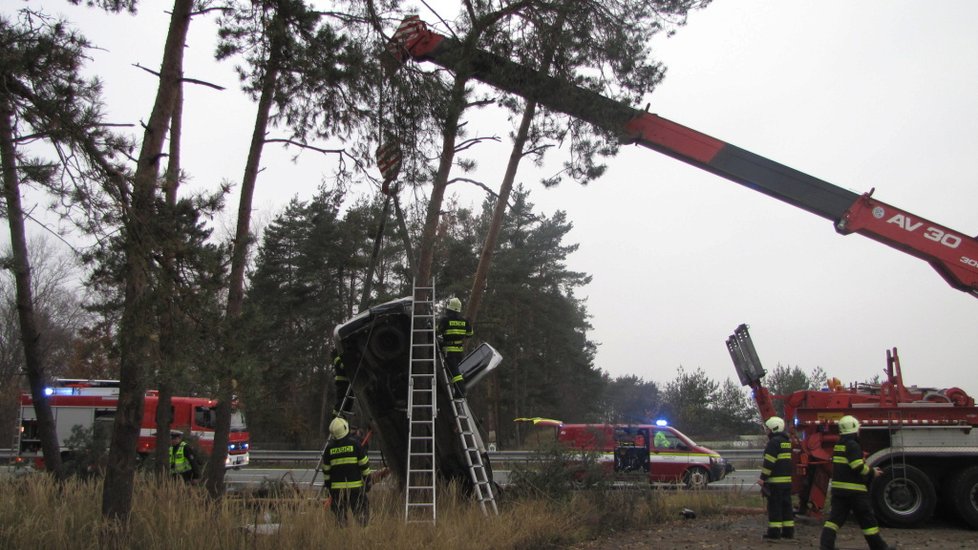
{"points": [[665, 439]]}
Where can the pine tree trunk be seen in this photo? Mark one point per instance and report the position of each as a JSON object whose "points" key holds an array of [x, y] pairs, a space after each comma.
{"points": [[426, 252], [21, 268], [168, 345], [214, 477], [137, 324]]}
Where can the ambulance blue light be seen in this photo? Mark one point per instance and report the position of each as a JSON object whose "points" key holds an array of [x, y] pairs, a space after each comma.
{"points": [[661, 422], [49, 391]]}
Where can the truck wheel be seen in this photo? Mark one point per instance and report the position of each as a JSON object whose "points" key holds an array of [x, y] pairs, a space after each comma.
{"points": [[964, 495], [696, 478], [903, 496]]}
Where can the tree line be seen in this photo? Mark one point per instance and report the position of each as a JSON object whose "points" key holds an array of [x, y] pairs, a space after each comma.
{"points": [[174, 306]]}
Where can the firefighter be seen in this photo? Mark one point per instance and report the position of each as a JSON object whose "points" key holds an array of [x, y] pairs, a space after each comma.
{"points": [[453, 329], [660, 440], [345, 471], [775, 481], [851, 477], [183, 461], [342, 382]]}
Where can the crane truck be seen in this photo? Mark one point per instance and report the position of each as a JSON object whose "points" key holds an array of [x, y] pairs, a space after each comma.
{"points": [[953, 254], [923, 439]]}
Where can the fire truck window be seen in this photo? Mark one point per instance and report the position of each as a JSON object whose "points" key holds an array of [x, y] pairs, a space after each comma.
{"points": [[238, 422], [204, 417]]}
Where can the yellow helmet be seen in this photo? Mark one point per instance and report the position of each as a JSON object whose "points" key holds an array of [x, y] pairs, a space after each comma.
{"points": [[455, 305], [848, 425], [775, 424], [339, 427]]}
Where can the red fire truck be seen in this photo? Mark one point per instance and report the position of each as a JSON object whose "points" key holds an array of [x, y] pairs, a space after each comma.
{"points": [[92, 404], [658, 451]]}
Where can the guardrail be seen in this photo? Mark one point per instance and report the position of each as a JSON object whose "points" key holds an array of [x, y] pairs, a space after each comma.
{"points": [[260, 455]]}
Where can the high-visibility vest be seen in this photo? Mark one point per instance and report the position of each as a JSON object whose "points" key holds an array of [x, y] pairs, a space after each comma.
{"points": [[178, 460]]}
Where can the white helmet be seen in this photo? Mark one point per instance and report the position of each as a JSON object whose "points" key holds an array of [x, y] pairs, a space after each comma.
{"points": [[339, 427], [455, 305], [775, 424], [848, 425]]}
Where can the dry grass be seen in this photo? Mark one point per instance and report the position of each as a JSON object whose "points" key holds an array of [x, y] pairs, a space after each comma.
{"points": [[35, 513]]}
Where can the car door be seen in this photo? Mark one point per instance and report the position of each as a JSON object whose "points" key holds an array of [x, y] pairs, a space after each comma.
{"points": [[669, 457]]}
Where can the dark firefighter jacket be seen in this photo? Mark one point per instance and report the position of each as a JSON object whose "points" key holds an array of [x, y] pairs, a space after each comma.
{"points": [[850, 473], [339, 370], [345, 464], [453, 329], [777, 459]]}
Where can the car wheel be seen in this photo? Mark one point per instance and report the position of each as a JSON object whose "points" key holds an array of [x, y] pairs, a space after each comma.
{"points": [[696, 478]]}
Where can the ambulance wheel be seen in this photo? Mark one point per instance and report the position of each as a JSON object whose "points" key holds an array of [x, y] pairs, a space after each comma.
{"points": [[696, 478], [964, 495], [903, 496]]}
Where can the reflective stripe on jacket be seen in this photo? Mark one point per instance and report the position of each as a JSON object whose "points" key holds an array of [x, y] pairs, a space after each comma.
{"points": [[345, 464], [339, 371], [777, 460], [850, 473], [453, 328]]}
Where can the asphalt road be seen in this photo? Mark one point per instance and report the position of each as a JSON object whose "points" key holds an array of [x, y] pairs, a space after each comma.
{"points": [[250, 476]]}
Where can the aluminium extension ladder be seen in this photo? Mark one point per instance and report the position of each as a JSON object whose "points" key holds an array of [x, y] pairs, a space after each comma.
{"points": [[473, 447], [419, 495]]}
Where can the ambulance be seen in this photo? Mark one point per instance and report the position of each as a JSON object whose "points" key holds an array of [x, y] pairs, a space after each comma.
{"points": [[657, 451]]}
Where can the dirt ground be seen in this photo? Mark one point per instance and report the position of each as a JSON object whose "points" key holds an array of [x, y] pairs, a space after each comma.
{"points": [[743, 529]]}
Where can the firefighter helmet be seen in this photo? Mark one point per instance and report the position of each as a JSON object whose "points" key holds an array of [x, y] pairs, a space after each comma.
{"points": [[775, 424], [455, 305], [339, 427], [848, 424]]}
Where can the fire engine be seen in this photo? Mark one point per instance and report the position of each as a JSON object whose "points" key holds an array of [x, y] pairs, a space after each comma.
{"points": [[923, 439], [92, 404], [658, 452]]}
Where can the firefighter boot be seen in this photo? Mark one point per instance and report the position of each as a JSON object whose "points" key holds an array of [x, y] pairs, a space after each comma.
{"points": [[827, 540], [788, 532], [773, 533]]}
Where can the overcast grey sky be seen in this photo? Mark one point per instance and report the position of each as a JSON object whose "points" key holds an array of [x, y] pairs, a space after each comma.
{"points": [[869, 94]]}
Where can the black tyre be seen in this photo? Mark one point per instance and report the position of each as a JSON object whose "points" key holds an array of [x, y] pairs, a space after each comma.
{"points": [[387, 341], [696, 478], [903, 496], [964, 495]]}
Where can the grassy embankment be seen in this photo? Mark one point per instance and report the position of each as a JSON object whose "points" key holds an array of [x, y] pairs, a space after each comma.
{"points": [[35, 513]]}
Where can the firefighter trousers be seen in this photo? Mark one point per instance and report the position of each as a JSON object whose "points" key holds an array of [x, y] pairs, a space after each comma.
{"points": [[355, 500], [862, 509], [780, 515]]}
